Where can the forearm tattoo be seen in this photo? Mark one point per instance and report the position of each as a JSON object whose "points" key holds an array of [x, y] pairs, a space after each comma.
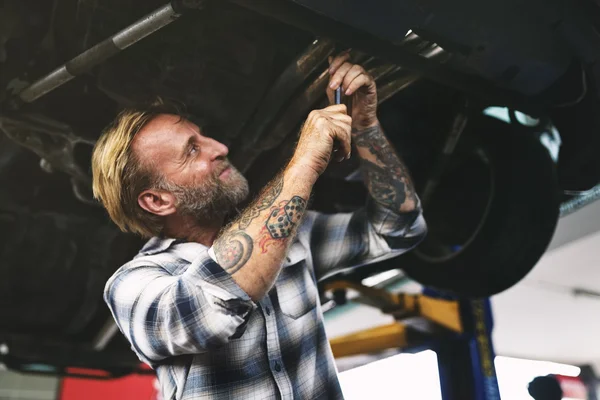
{"points": [[265, 201], [281, 222], [233, 250], [386, 176]]}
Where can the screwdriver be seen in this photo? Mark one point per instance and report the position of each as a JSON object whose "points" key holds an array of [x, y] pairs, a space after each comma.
{"points": [[338, 100]]}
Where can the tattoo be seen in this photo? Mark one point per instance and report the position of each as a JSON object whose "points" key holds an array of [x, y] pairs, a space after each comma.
{"points": [[387, 179], [388, 192], [265, 201], [281, 222], [233, 250]]}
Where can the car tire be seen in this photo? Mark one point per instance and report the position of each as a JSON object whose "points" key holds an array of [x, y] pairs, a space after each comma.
{"points": [[517, 224]]}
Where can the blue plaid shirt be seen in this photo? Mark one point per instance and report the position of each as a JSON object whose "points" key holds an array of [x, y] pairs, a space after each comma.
{"points": [[187, 318]]}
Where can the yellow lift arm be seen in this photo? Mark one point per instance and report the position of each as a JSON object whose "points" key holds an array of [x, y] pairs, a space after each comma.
{"points": [[444, 313]]}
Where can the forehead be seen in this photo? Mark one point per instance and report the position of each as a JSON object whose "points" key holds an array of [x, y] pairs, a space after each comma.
{"points": [[163, 137]]}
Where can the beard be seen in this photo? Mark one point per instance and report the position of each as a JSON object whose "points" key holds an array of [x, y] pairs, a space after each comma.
{"points": [[212, 199]]}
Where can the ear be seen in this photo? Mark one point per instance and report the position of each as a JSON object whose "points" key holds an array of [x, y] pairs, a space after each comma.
{"points": [[157, 202]]}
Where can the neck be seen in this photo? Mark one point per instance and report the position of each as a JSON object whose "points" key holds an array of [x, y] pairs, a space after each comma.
{"points": [[192, 230]]}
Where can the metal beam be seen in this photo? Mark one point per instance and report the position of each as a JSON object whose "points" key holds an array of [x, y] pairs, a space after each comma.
{"points": [[99, 53], [108, 331]]}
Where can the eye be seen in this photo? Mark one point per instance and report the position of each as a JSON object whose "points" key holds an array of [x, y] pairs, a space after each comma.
{"points": [[194, 149]]}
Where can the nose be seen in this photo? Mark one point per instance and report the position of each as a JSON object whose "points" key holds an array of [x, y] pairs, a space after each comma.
{"points": [[218, 150]]}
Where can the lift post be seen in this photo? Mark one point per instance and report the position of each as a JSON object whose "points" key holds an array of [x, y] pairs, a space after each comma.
{"points": [[459, 331], [466, 361]]}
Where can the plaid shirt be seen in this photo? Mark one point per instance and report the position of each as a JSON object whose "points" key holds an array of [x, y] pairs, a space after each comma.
{"points": [[187, 318]]}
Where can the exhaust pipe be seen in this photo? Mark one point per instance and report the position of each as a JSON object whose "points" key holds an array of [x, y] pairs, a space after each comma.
{"points": [[99, 53]]}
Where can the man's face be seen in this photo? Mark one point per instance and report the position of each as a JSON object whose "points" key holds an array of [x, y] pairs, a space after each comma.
{"points": [[193, 167]]}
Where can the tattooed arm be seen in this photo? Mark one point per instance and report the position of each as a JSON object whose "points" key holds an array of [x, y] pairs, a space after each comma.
{"points": [[252, 247], [391, 222], [385, 175]]}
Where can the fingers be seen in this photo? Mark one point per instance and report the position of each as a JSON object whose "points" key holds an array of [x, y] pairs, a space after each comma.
{"points": [[330, 95], [335, 63], [343, 139], [342, 124], [336, 108], [350, 77], [358, 82], [338, 77], [336, 115], [345, 118], [354, 72], [337, 124], [341, 133]]}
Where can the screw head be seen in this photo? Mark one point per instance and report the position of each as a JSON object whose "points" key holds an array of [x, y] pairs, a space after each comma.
{"points": [[46, 166]]}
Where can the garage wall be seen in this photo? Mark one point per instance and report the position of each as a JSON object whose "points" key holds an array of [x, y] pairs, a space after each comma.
{"points": [[542, 317]]}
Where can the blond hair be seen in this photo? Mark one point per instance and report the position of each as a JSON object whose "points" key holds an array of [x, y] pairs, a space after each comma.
{"points": [[119, 176]]}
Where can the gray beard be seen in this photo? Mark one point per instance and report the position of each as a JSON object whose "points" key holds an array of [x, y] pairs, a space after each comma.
{"points": [[211, 200]]}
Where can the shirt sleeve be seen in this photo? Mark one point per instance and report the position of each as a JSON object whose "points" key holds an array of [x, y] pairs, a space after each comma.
{"points": [[164, 315], [368, 235]]}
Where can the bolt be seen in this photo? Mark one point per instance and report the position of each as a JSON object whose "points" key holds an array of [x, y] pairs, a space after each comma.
{"points": [[3, 349], [46, 166]]}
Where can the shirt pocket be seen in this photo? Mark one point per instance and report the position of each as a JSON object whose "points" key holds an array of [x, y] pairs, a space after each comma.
{"points": [[296, 290]]}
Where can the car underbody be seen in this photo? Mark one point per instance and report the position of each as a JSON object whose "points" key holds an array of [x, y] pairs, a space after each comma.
{"points": [[250, 72]]}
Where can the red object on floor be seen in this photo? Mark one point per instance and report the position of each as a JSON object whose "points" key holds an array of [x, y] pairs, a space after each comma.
{"points": [[572, 387], [132, 387]]}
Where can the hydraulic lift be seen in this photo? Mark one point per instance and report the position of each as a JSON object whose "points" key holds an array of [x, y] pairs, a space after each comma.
{"points": [[458, 330]]}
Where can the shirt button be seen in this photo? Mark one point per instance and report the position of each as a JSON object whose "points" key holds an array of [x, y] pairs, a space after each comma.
{"points": [[277, 367], [267, 310]]}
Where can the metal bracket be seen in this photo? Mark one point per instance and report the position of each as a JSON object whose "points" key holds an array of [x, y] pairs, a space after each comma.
{"points": [[55, 143]]}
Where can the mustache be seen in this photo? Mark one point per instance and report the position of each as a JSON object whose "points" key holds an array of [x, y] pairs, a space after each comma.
{"points": [[224, 165]]}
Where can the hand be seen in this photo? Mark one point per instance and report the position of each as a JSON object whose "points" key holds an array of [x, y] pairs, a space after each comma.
{"points": [[356, 82], [322, 129]]}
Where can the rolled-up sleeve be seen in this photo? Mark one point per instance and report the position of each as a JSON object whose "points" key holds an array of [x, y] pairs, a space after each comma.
{"points": [[165, 315], [368, 235]]}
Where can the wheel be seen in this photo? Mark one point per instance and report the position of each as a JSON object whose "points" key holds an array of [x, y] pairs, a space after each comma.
{"points": [[492, 215]]}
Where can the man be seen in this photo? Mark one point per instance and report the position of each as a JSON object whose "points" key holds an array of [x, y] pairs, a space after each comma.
{"points": [[232, 311]]}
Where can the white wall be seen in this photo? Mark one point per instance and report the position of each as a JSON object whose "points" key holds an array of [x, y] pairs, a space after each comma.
{"points": [[540, 317]]}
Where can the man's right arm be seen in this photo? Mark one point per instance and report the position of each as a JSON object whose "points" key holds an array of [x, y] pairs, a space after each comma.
{"points": [[164, 315], [253, 246]]}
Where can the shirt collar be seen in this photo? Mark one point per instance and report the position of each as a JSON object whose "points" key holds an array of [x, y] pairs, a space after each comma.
{"points": [[157, 245]]}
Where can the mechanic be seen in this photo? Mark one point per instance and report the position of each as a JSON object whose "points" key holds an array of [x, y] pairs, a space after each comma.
{"points": [[233, 311]]}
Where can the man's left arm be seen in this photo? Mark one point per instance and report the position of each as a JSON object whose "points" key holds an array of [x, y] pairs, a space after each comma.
{"points": [[385, 175], [392, 222]]}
